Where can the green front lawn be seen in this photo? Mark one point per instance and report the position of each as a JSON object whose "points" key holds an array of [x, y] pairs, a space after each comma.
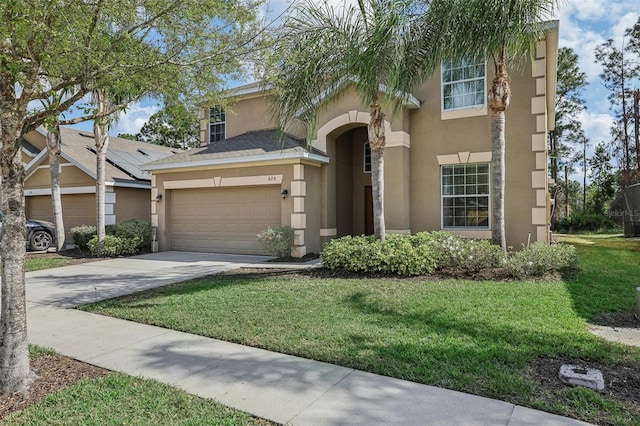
{"points": [[119, 399], [37, 263], [477, 337]]}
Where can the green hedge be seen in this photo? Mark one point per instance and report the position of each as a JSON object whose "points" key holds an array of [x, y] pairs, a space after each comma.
{"points": [[427, 252], [124, 238], [82, 235], [585, 222], [115, 246]]}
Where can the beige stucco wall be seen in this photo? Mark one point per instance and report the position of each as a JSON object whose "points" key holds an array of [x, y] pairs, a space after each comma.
{"points": [[418, 142], [254, 107], [70, 176], [132, 203], [304, 187]]}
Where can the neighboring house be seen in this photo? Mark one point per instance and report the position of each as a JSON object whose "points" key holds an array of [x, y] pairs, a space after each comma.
{"points": [[626, 210], [128, 188], [437, 166]]}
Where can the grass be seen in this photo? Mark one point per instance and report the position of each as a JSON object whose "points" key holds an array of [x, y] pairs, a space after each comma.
{"points": [[477, 337], [38, 263], [120, 399]]}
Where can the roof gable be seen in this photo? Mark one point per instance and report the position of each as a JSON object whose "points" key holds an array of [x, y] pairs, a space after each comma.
{"points": [[124, 156], [259, 145]]}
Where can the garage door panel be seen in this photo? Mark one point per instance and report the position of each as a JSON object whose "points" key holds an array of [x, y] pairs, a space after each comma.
{"points": [[225, 220]]}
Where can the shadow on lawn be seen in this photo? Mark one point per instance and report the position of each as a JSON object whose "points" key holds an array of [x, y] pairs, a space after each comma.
{"points": [[237, 277], [479, 356], [608, 278]]}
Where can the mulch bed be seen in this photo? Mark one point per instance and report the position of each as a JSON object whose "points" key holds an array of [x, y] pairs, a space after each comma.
{"points": [[74, 256], [621, 382], [617, 319], [288, 259], [55, 372]]}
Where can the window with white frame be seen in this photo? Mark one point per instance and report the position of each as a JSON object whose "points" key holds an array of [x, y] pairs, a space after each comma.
{"points": [[463, 83], [465, 196], [366, 161], [217, 124]]}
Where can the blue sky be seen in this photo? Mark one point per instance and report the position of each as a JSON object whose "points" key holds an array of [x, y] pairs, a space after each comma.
{"points": [[584, 24]]}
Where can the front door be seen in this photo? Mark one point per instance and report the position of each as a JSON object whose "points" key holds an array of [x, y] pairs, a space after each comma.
{"points": [[368, 211]]}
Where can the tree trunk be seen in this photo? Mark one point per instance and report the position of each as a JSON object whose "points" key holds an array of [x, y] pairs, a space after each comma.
{"points": [[53, 148], [499, 98], [636, 124], [376, 143], [584, 174], [567, 210], [625, 129], [101, 134], [15, 371]]}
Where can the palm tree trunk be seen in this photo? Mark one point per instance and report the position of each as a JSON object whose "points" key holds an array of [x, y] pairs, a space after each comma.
{"points": [[499, 98], [15, 370], [53, 148], [376, 143], [101, 134]]}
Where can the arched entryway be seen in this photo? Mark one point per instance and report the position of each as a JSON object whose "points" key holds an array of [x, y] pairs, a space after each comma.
{"points": [[354, 203], [346, 201]]}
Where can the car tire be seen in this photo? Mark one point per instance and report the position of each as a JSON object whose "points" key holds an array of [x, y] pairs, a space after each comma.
{"points": [[40, 241]]}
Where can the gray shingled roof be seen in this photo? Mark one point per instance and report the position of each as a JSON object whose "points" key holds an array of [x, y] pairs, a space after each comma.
{"points": [[77, 144], [251, 144]]}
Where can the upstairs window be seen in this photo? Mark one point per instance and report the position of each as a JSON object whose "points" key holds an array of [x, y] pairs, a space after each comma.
{"points": [[465, 196], [463, 83], [217, 124]]}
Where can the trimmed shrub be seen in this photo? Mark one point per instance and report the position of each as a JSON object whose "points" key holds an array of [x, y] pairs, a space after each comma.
{"points": [[82, 235], [425, 252], [134, 228], [453, 251], [405, 257], [540, 258], [398, 254], [115, 246], [277, 241]]}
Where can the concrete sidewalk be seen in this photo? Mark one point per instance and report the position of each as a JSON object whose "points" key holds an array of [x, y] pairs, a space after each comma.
{"points": [[281, 388]]}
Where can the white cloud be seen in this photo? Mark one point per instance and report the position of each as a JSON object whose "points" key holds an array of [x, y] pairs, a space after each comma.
{"points": [[585, 24], [597, 126], [134, 118]]}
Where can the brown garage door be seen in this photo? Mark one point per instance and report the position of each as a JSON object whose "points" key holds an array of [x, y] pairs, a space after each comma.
{"points": [[223, 220], [77, 209]]}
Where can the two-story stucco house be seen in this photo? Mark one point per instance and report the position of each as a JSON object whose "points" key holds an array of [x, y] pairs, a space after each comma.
{"points": [[437, 166]]}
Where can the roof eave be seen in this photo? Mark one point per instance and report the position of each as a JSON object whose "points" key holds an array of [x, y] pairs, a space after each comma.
{"points": [[238, 160]]}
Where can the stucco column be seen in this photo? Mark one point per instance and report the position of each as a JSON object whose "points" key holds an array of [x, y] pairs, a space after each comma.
{"points": [[298, 217], [397, 183], [539, 181]]}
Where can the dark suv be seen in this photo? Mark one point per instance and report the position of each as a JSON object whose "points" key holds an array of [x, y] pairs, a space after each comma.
{"points": [[40, 234]]}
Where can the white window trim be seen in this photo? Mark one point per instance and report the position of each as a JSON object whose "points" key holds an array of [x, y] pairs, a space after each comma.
{"points": [[468, 111], [223, 123], [464, 228]]}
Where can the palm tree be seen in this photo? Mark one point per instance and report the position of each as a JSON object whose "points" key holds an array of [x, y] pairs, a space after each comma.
{"points": [[323, 48], [502, 31]]}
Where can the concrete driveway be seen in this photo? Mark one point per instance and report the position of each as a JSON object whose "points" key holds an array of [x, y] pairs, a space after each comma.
{"points": [[89, 282]]}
